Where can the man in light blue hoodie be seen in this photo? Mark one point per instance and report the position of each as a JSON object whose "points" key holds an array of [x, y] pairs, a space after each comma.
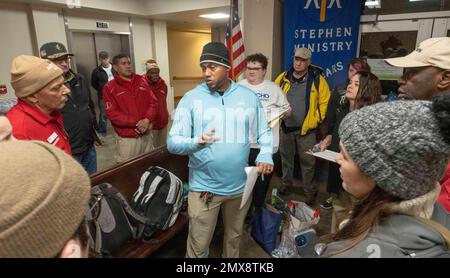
{"points": [[213, 125]]}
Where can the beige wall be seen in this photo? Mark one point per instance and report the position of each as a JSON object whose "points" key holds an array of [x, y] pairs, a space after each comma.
{"points": [[141, 7], [278, 49], [258, 29], [48, 25], [129, 6], [161, 49], [185, 48], [142, 43], [16, 39], [172, 6], [81, 20]]}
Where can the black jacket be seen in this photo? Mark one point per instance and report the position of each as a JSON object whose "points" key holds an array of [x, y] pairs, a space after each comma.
{"points": [[99, 78], [77, 116], [335, 114]]}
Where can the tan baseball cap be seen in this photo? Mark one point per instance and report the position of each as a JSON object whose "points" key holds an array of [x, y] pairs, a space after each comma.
{"points": [[431, 52], [303, 53]]}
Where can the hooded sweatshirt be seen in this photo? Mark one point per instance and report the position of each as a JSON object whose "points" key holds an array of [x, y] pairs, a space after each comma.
{"points": [[402, 235], [219, 167]]}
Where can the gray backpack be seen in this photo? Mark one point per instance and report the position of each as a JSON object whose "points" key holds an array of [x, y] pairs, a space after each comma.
{"points": [[111, 220], [158, 199]]}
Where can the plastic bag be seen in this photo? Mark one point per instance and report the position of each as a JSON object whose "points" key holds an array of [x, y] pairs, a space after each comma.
{"points": [[298, 239], [302, 217], [287, 247]]}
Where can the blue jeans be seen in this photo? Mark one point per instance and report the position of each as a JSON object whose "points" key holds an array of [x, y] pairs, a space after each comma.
{"points": [[102, 115], [88, 160]]}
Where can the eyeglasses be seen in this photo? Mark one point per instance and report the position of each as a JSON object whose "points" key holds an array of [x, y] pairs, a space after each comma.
{"points": [[257, 68]]}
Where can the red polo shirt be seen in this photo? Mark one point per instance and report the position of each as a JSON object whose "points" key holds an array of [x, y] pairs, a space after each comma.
{"points": [[30, 123]]}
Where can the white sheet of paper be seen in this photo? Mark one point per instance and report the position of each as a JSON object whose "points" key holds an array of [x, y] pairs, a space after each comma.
{"points": [[275, 114], [252, 175], [327, 154]]}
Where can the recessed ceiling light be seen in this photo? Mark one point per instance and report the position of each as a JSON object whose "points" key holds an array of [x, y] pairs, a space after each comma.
{"points": [[215, 16]]}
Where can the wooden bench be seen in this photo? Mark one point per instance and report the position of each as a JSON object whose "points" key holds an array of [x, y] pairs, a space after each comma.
{"points": [[125, 177]]}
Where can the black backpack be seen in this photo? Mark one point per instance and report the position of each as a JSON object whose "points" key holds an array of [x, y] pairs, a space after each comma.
{"points": [[159, 199], [111, 220]]}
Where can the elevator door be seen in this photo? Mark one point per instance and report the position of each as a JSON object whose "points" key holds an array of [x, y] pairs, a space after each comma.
{"points": [[86, 46], [114, 44], [85, 60]]}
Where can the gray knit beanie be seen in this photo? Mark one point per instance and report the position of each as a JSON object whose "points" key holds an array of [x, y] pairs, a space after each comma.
{"points": [[43, 198], [398, 144]]}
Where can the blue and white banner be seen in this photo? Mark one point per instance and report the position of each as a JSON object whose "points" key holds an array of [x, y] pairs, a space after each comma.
{"points": [[329, 28]]}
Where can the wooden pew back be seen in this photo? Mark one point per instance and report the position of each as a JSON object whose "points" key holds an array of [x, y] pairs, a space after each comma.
{"points": [[125, 177]]}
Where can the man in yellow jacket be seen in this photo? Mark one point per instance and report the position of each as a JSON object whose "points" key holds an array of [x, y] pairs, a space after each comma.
{"points": [[308, 94]]}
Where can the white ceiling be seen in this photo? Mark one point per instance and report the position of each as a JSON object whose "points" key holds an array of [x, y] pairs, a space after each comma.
{"points": [[192, 19], [178, 13]]}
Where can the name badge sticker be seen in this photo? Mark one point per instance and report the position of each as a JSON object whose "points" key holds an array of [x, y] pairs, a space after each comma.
{"points": [[52, 138]]}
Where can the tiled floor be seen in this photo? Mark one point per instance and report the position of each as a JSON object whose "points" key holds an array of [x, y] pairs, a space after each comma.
{"points": [[249, 248]]}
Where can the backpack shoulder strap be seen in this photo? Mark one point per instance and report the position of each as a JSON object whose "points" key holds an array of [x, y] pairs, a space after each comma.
{"points": [[440, 228], [112, 192]]}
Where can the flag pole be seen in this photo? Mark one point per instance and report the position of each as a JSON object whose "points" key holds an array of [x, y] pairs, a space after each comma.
{"points": [[231, 39]]}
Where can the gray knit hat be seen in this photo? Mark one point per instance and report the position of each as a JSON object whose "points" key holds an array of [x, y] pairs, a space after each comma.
{"points": [[398, 144], [43, 198]]}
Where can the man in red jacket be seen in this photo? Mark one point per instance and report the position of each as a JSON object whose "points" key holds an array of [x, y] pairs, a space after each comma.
{"points": [[159, 88], [131, 107], [39, 87]]}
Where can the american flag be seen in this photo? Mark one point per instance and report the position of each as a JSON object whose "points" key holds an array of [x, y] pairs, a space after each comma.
{"points": [[235, 43]]}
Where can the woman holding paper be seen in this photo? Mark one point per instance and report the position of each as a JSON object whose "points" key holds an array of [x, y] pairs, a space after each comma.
{"points": [[337, 99], [276, 107], [363, 89], [392, 157]]}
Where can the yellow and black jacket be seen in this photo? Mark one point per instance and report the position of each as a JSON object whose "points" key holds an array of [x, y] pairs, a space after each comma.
{"points": [[316, 107]]}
